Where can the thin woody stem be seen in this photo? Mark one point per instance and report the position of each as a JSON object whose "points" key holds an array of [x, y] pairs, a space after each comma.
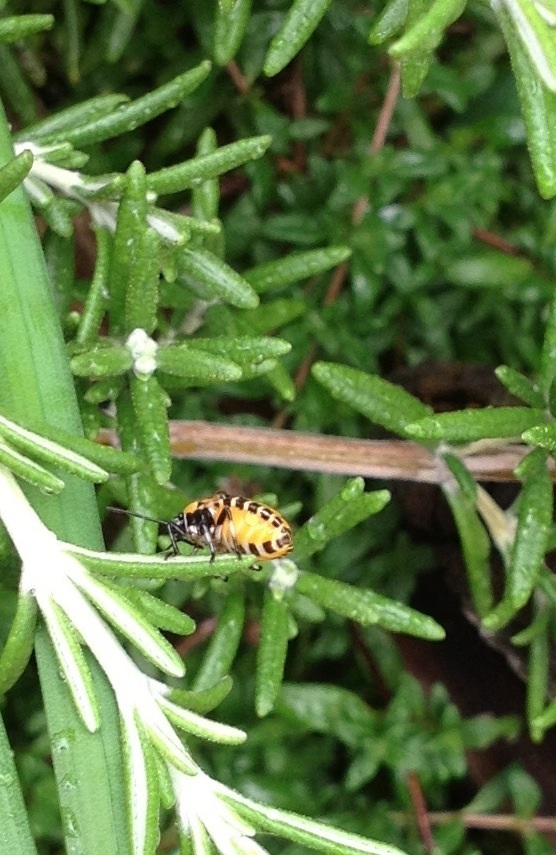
{"points": [[489, 822], [389, 459]]}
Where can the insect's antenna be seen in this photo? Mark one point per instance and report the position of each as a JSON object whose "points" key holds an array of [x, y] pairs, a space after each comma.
{"points": [[139, 516]]}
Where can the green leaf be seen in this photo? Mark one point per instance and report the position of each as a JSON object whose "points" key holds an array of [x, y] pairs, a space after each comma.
{"points": [[55, 126], [470, 425], [533, 528], [481, 731], [377, 399], [271, 652], [203, 701], [205, 197], [229, 28], [537, 36], [486, 268], [427, 33], [301, 20], [49, 451], [307, 833], [141, 777], [19, 27], [226, 5], [129, 116], [160, 613], [263, 319], [19, 644], [199, 726], [538, 670], [545, 720], [178, 229], [547, 369], [120, 611], [174, 179], [197, 368], [57, 212], [281, 381], [73, 663], [16, 88], [132, 565], [13, 173], [224, 643], [102, 361], [126, 247], [149, 404], [345, 510], [414, 69], [140, 486], [110, 459], [475, 544], [368, 608], [543, 436], [520, 386], [59, 253], [414, 65], [390, 21], [491, 796], [122, 29], [500, 615], [537, 103], [525, 791], [141, 299], [107, 389], [30, 471], [247, 351], [328, 709], [272, 275], [220, 280]]}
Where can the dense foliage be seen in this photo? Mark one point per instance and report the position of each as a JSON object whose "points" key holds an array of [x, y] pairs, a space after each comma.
{"points": [[268, 215]]}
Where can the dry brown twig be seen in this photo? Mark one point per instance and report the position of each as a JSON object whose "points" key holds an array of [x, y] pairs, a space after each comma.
{"points": [[487, 822], [393, 459]]}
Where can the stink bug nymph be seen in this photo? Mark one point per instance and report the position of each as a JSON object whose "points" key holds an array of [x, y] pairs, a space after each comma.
{"points": [[230, 524]]}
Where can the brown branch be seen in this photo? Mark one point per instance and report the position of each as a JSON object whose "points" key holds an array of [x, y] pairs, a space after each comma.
{"points": [[239, 80], [379, 136], [488, 822], [387, 110], [389, 459], [496, 242], [421, 812]]}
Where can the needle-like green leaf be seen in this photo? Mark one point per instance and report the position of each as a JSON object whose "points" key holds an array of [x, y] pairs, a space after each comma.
{"points": [[271, 653], [382, 402], [128, 116], [301, 20]]}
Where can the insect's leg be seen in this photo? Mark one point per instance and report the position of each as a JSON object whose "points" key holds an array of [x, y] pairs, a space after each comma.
{"points": [[205, 531], [174, 548]]}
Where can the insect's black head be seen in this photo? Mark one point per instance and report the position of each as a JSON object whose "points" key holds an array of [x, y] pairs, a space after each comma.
{"points": [[195, 527]]}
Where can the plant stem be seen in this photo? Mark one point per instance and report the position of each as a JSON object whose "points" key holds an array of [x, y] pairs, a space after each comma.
{"points": [[37, 387], [288, 449]]}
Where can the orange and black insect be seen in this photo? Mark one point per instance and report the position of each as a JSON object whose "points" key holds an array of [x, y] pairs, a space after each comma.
{"points": [[230, 524]]}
